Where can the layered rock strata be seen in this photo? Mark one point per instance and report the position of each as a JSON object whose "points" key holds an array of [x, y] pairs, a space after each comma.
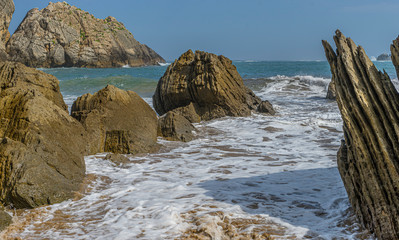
{"points": [[62, 35], [42, 147], [204, 86], [7, 9], [368, 159], [117, 121]]}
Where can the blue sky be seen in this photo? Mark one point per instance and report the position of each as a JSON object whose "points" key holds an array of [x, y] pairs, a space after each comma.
{"points": [[245, 30]]}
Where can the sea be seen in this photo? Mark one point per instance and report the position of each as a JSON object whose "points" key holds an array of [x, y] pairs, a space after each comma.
{"points": [[260, 174]]}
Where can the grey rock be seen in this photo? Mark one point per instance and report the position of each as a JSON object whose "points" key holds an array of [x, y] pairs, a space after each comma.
{"points": [[62, 35]]}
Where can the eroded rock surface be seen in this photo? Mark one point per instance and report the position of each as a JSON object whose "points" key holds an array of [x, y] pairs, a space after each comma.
{"points": [[42, 147], [175, 127], [117, 121], [62, 35], [6, 11], [368, 159], [210, 83]]}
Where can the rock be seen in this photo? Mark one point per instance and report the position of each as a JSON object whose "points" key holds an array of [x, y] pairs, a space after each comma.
{"points": [[175, 127], [6, 11], [17, 76], [395, 54], [42, 147], [118, 159], [62, 35], [5, 220], [384, 57], [368, 158], [266, 107], [117, 121], [209, 82]]}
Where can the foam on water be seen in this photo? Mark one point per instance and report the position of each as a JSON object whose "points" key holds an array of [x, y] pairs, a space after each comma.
{"points": [[278, 171]]}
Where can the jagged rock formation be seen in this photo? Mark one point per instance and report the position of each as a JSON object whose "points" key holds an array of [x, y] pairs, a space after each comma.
{"points": [[42, 147], [368, 159], [61, 35], [384, 57], [395, 54], [117, 121], [175, 127], [6, 10], [209, 82]]}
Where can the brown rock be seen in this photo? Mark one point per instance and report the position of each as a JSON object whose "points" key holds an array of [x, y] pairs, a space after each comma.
{"points": [[5, 220], [210, 83], [117, 121], [395, 54], [175, 127], [369, 156], [62, 35], [118, 159], [6, 11], [42, 147], [266, 107]]}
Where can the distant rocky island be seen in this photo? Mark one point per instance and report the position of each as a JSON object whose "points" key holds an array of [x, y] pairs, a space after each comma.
{"points": [[62, 35], [384, 57]]}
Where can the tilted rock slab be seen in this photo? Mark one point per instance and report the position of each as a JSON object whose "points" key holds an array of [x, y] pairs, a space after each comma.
{"points": [[395, 54], [62, 35], [368, 159], [210, 83], [117, 121], [42, 147], [7, 9]]}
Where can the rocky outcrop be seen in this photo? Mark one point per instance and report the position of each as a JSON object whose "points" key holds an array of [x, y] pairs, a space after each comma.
{"points": [[266, 107], [6, 10], [117, 121], [384, 57], [61, 35], [368, 159], [42, 147], [395, 54], [209, 82], [175, 127]]}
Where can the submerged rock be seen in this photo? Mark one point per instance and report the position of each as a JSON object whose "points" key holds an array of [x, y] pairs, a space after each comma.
{"points": [[6, 11], [175, 127], [117, 121], [62, 35], [368, 158], [42, 147], [209, 82], [5, 220]]}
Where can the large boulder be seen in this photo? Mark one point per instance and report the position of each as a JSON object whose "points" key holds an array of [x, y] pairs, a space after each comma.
{"points": [[209, 82], [62, 35], [42, 147], [117, 121], [368, 158], [6, 11]]}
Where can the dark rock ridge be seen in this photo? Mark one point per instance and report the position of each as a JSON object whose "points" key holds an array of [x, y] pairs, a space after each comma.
{"points": [[42, 147], [6, 10], [117, 121], [384, 57], [175, 127], [203, 86], [395, 54], [61, 35], [368, 159]]}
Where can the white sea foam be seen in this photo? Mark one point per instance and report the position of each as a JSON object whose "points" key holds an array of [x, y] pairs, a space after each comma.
{"points": [[281, 169], [164, 64], [126, 66]]}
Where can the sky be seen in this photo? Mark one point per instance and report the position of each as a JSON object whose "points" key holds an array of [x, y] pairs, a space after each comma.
{"points": [[245, 30]]}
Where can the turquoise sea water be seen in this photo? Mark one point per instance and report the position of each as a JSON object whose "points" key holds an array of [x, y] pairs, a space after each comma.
{"points": [[77, 81]]}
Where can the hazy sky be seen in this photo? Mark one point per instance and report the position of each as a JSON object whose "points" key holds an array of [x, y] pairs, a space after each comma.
{"points": [[245, 30]]}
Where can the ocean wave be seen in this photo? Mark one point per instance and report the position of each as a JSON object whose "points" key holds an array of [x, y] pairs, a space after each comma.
{"points": [[164, 64]]}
